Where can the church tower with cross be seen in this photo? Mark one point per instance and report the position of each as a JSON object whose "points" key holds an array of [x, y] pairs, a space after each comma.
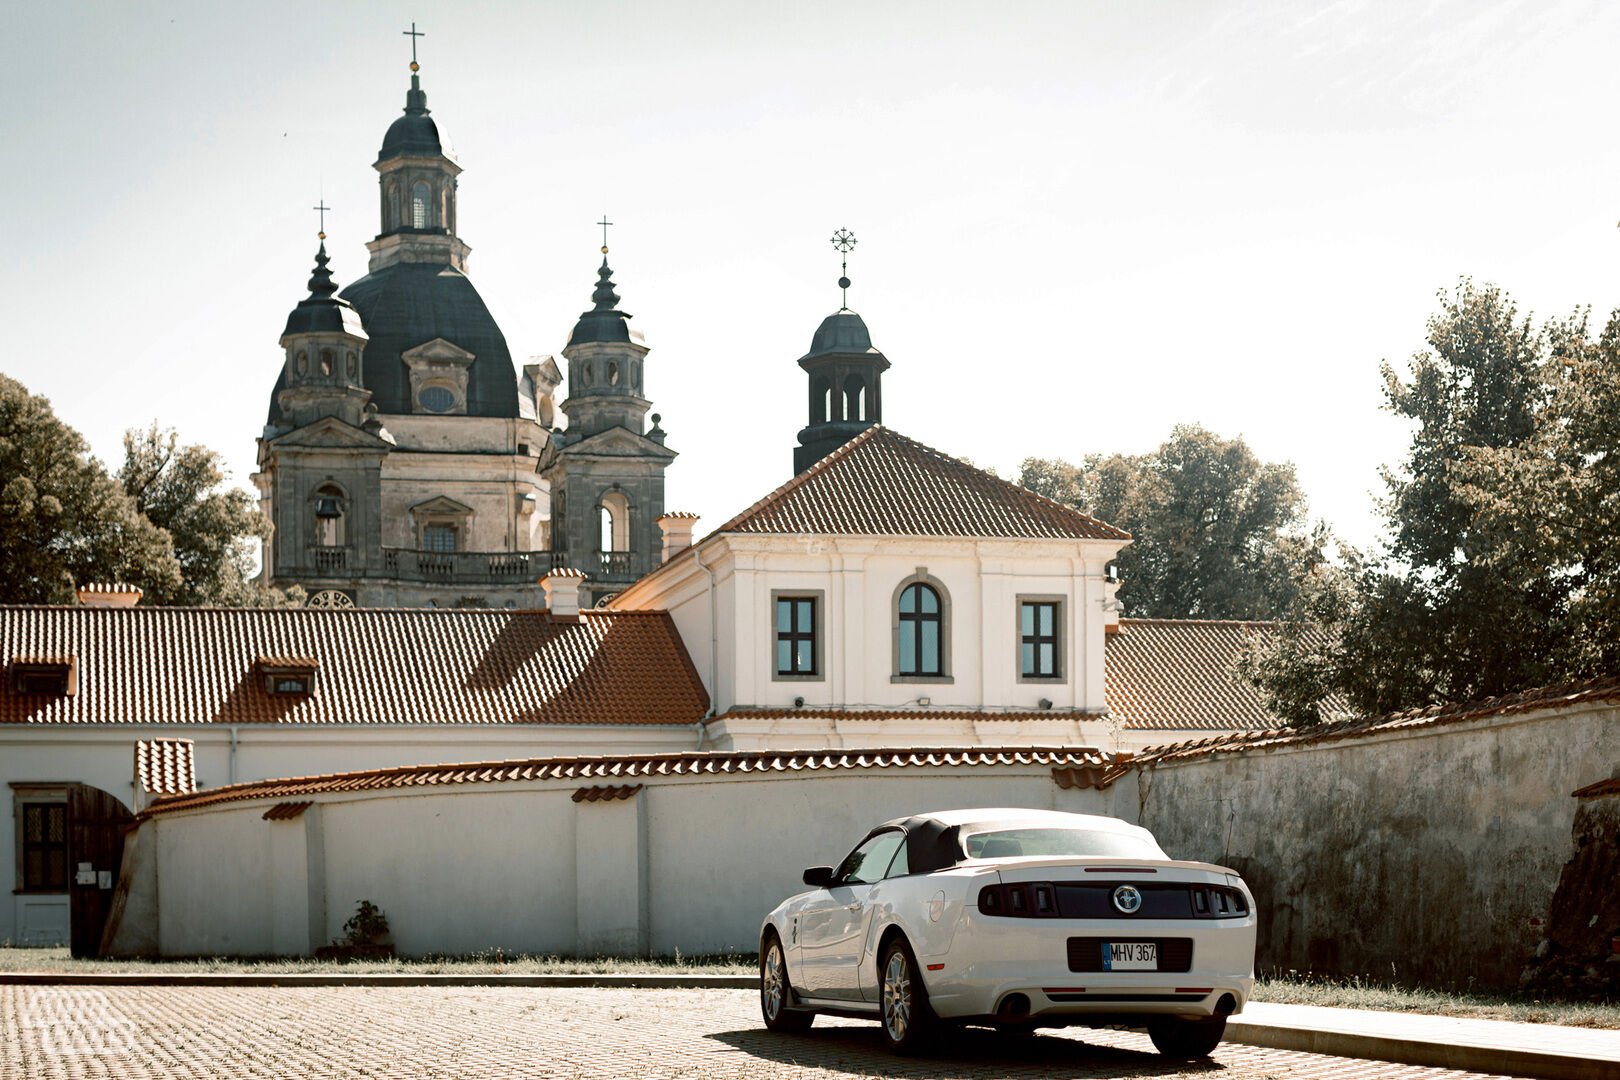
{"points": [[845, 372], [401, 460], [606, 470]]}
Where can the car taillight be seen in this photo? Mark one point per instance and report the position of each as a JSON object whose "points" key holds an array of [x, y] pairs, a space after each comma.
{"points": [[1023, 901], [1218, 902]]}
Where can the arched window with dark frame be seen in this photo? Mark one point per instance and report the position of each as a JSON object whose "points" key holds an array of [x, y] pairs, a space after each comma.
{"points": [[921, 645]]}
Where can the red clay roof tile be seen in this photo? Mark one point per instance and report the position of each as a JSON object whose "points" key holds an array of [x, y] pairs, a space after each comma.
{"points": [[881, 483], [198, 666], [633, 766], [1178, 674]]}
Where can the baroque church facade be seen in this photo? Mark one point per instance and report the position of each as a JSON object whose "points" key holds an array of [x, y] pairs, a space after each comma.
{"points": [[406, 460]]}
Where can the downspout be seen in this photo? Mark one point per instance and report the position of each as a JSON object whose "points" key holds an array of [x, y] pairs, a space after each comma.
{"points": [[232, 771], [714, 651]]}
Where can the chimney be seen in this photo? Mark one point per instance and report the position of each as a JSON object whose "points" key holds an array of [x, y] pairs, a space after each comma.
{"points": [[677, 526], [562, 593], [114, 595], [1111, 607]]}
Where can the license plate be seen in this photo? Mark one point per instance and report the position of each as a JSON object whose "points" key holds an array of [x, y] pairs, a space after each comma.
{"points": [[1130, 955]]}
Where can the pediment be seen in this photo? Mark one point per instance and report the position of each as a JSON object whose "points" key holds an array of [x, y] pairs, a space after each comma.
{"points": [[330, 433], [543, 370], [437, 351], [617, 442], [442, 505]]}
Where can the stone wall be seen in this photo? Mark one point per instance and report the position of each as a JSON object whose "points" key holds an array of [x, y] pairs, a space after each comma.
{"points": [[1428, 852]]}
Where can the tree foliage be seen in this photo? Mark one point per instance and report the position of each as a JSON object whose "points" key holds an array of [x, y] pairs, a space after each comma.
{"points": [[1493, 578], [63, 520], [1216, 533], [213, 528], [165, 523]]}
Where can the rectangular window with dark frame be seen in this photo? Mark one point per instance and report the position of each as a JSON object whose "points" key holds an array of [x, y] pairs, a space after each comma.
{"points": [[44, 847], [1038, 639], [796, 635]]}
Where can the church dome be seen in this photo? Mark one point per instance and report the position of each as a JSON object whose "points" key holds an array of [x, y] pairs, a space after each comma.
{"points": [[414, 134], [604, 322], [842, 333]]}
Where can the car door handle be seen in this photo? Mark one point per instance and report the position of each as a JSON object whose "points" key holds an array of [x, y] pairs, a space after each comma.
{"points": [[854, 907]]}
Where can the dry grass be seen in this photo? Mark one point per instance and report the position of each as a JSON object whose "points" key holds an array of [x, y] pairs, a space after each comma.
{"points": [[1296, 988], [488, 963]]}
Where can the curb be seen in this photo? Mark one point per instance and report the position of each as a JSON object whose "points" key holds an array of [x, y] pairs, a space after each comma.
{"points": [[378, 978], [1409, 1051]]}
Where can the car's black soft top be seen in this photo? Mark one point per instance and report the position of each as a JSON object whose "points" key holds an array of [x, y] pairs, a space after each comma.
{"points": [[933, 845]]}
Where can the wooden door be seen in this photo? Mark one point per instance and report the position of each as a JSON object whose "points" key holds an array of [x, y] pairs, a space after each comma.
{"points": [[96, 822]]}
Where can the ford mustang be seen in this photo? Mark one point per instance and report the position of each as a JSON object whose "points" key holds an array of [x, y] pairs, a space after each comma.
{"points": [[1016, 919]]}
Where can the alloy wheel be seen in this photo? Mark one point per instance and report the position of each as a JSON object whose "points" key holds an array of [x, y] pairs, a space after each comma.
{"points": [[897, 996], [770, 986]]}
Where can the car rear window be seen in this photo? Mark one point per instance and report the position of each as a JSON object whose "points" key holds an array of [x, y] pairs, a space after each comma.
{"points": [[1037, 842]]}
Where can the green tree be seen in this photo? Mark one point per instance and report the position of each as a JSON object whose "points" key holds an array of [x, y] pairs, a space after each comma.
{"points": [[63, 520], [1216, 533], [1457, 606], [214, 529]]}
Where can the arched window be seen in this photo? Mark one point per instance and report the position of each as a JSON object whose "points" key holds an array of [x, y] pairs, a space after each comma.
{"points": [[326, 361], [329, 514], [391, 206], [613, 373], [922, 629], [854, 398], [821, 401], [615, 522], [421, 199]]}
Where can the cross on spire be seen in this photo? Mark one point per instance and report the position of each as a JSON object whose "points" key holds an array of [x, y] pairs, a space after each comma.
{"points": [[604, 223], [413, 33], [323, 208], [844, 241]]}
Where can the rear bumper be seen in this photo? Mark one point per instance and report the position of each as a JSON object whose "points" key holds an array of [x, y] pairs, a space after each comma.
{"points": [[992, 960]]}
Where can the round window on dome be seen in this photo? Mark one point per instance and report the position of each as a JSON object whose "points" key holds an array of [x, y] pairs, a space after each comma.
{"points": [[439, 399]]}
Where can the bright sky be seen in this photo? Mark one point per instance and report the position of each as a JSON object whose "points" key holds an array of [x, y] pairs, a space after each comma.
{"points": [[1079, 223]]}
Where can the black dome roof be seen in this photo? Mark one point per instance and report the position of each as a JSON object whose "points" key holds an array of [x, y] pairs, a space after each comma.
{"points": [[841, 333], [414, 134], [410, 304], [604, 322]]}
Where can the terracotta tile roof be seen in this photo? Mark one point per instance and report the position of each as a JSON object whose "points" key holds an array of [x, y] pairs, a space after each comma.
{"points": [[1599, 789], [884, 484], [1546, 697], [1177, 674], [920, 712], [611, 793], [165, 766], [642, 766], [287, 811], [199, 666]]}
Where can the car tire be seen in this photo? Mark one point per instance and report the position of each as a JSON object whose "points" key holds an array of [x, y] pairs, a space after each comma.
{"points": [[1185, 1040], [776, 991], [909, 1024]]}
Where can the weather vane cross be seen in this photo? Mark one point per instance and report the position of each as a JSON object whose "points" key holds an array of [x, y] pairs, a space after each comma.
{"points": [[413, 33], [323, 208], [844, 241], [604, 223]]}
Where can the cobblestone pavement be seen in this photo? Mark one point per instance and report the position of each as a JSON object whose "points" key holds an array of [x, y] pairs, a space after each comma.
{"points": [[475, 1032]]}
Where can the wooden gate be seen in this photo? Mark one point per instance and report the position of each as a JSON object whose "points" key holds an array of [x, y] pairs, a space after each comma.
{"points": [[96, 822]]}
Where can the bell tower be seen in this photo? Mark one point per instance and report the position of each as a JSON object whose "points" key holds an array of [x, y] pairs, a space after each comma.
{"points": [[846, 376], [417, 180], [607, 470]]}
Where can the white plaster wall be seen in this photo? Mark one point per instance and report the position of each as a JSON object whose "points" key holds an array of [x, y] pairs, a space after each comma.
{"points": [[104, 757], [691, 863], [483, 869], [722, 854], [221, 861], [857, 577]]}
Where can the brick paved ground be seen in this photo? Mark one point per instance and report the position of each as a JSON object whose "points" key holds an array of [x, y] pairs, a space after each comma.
{"points": [[475, 1032]]}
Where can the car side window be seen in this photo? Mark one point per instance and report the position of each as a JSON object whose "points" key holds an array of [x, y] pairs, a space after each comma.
{"points": [[900, 866], [870, 862]]}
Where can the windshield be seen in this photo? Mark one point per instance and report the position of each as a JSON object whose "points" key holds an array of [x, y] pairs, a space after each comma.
{"points": [[1038, 842]]}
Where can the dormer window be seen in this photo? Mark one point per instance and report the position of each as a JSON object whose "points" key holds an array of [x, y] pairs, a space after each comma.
{"points": [[51, 676], [286, 676], [437, 399]]}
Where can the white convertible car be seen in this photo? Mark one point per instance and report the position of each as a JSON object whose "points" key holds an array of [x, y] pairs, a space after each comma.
{"points": [[1018, 919]]}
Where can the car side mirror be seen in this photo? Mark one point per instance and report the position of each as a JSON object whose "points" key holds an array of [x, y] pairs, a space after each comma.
{"points": [[819, 877]]}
